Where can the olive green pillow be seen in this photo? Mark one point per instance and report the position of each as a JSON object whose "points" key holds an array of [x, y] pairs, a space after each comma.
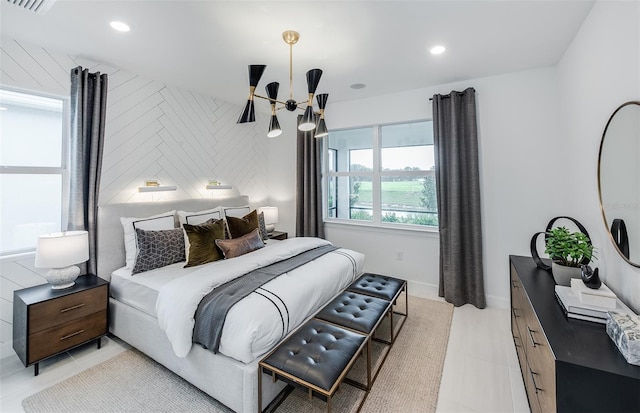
{"points": [[241, 226], [202, 240], [239, 246]]}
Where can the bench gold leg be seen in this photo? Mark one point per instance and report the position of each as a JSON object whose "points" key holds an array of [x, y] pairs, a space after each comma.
{"points": [[369, 364], [391, 324], [259, 389]]}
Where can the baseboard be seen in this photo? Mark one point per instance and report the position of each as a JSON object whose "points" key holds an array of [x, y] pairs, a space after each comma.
{"points": [[423, 290], [430, 291]]}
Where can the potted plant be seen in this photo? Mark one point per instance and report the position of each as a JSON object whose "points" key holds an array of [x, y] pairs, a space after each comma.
{"points": [[568, 251]]}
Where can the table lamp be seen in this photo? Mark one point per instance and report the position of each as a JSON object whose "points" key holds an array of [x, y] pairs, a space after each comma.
{"points": [[60, 251]]}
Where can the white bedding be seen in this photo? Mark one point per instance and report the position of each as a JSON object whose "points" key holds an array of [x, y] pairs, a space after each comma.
{"points": [[254, 325], [140, 291]]}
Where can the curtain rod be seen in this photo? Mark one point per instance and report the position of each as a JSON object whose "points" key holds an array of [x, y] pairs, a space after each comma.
{"points": [[448, 95]]}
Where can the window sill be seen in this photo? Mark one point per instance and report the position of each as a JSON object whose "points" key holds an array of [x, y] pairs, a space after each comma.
{"points": [[390, 229]]}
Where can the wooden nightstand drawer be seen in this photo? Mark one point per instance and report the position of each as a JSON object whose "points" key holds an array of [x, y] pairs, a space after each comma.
{"points": [[279, 235], [56, 339], [65, 309], [47, 321]]}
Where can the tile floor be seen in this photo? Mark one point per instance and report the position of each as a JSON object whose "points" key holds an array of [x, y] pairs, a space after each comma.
{"points": [[480, 374]]}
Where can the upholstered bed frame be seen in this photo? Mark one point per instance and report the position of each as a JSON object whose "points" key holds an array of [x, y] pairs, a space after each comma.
{"points": [[231, 382]]}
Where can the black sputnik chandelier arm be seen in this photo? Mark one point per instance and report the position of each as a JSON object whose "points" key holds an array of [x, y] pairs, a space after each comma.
{"points": [[309, 118]]}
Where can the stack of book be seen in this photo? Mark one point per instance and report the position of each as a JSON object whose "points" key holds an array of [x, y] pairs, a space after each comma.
{"points": [[583, 303]]}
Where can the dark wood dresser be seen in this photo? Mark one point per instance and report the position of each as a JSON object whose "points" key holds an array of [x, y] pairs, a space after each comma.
{"points": [[567, 365], [47, 322]]}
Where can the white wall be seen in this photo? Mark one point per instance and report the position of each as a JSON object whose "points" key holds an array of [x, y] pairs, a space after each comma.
{"points": [[599, 72], [518, 123]]}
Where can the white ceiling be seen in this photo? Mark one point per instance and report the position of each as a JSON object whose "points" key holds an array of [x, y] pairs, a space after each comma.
{"points": [[206, 45]]}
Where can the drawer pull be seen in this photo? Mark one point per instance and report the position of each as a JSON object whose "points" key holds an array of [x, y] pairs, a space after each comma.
{"points": [[533, 342], [515, 340], [514, 284], [533, 379], [71, 335], [64, 310], [513, 310]]}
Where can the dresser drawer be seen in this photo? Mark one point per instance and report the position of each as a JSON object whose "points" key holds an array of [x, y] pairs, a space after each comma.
{"points": [[62, 310], [542, 366], [59, 338]]}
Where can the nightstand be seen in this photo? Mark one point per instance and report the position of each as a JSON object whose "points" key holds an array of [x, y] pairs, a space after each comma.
{"points": [[47, 322], [278, 235]]}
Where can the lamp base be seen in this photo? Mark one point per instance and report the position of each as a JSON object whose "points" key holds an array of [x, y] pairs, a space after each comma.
{"points": [[270, 228], [61, 278]]}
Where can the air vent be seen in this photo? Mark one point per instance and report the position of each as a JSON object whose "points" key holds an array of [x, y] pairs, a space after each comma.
{"points": [[36, 6]]}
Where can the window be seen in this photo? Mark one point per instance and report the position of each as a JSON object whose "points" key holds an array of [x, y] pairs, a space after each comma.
{"points": [[382, 175], [33, 174]]}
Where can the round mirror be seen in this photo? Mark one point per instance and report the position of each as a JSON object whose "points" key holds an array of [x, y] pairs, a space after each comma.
{"points": [[619, 180]]}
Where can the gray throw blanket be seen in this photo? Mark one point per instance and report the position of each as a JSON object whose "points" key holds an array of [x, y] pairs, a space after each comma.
{"points": [[213, 308]]}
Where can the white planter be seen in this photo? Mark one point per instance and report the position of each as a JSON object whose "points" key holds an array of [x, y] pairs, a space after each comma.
{"points": [[563, 274]]}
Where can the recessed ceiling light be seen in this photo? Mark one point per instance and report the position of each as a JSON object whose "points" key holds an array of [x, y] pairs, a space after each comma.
{"points": [[358, 86], [120, 26], [3, 108], [438, 49]]}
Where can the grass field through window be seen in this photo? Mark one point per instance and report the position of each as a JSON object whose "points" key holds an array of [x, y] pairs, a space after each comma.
{"points": [[398, 193]]}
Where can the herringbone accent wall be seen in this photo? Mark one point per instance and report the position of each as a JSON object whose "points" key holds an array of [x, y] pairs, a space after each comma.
{"points": [[153, 131]]}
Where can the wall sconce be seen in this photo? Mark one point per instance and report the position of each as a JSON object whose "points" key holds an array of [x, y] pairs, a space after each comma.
{"points": [[154, 186], [217, 185], [270, 217]]}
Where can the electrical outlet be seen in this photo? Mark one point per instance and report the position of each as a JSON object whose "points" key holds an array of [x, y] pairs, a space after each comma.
{"points": [[399, 255]]}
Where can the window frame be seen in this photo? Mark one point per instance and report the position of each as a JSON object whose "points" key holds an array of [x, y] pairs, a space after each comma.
{"points": [[62, 170], [376, 182]]}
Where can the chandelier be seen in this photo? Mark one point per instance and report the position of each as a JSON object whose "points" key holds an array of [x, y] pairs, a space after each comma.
{"points": [[308, 122]]}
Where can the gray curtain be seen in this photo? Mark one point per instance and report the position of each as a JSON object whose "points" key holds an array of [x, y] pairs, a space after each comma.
{"points": [[88, 113], [458, 186], [309, 185]]}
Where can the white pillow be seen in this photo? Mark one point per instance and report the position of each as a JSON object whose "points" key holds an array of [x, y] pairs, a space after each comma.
{"points": [[236, 212], [165, 220], [195, 218]]}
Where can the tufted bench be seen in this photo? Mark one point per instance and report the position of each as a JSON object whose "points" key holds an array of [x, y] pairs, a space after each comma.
{"points": [[386, 288], [358, 312], [317, 356]]}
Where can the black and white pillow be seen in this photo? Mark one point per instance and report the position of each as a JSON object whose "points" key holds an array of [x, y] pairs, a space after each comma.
{"points": [[162, 221], [158, 249]]}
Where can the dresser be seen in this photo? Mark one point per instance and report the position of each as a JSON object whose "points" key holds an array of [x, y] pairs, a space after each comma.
{"points": [[47, 322], [567, 365]]}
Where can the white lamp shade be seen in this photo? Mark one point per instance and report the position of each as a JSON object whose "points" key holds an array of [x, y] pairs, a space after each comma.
{"points": [[270, 214], [62, 249]]}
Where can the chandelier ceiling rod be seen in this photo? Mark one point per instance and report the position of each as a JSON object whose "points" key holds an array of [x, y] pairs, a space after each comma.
{"points": [[310, 120]]}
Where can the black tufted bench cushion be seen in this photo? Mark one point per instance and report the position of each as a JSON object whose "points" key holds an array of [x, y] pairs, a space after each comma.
{"points": [[318, 356], [385, 287], [376, 285], [355, 311], [358, 312]]}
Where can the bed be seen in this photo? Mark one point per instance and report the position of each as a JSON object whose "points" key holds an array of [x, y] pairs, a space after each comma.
{"points": [[140, 304]]}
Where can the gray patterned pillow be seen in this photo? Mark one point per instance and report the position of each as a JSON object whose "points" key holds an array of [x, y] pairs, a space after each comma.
{"points": [[157, 249], [262, 227]]}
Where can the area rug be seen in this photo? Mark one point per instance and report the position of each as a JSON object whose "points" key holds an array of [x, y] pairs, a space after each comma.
{"points": [[408, 381]]}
